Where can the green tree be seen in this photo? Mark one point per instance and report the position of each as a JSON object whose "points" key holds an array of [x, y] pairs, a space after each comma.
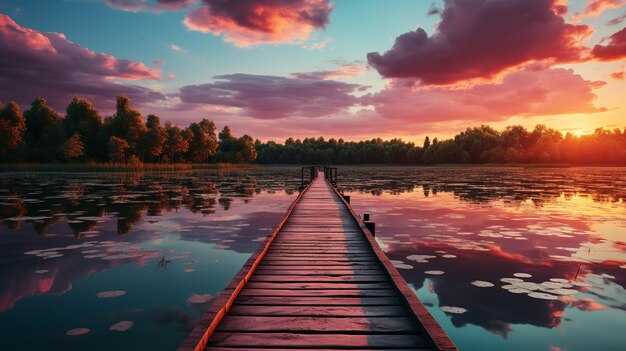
{"points": [[176, 143], [74, 147], [154, 138], [44, 132], [203, 142], [227, 146], [82, 118], [247, 149], [117, 149], [12, 127], [127, 123]]}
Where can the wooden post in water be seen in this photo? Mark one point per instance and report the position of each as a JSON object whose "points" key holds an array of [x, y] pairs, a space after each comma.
{"points": [[369, 224]]}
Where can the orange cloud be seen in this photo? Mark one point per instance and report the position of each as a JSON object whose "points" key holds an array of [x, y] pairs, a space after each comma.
{"points": [[597, 7], [614, 50], [247, 23], [530, 92]]}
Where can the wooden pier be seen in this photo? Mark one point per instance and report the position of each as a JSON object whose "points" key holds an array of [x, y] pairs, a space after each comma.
{"points": [[320, 281]]}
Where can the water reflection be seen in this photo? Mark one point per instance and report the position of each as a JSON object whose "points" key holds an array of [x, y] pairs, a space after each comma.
{"points": [[169, 241], [502, 249], [504, 258]]}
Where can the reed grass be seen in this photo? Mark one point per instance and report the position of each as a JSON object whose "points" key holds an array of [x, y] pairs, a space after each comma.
{"points": [[116, 167]]}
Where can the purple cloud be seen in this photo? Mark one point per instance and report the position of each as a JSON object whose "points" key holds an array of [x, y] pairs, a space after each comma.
{"points": [[34, 63], [272, 97], [614, 50], [482, 38], [145, 5], [246, 23]]}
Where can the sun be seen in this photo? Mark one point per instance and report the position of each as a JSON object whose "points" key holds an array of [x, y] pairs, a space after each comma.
{"points": [[580, 133]]}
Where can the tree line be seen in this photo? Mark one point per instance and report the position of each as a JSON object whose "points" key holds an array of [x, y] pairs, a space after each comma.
{"points": [[477, 145], [40, 134]]}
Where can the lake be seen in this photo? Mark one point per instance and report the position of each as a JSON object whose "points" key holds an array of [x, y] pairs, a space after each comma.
{"points": [[504, 258]]}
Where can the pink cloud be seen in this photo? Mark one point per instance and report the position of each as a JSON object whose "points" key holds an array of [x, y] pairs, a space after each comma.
{"points": [[311, 106], [614, 50], [345, 70], [617, 20], [618, 75], [481, 39], [597, 7], [273, 97], [246, 23], [145, 5], [34, 63], [530, 92]]}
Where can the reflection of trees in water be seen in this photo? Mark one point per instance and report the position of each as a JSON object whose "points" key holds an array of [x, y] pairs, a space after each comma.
{"points": [[45, 200], [511, 185]]}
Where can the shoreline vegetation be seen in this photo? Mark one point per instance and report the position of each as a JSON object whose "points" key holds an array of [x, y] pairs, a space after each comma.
{"points": [[42, 140], [188, 167], [117, 167]]}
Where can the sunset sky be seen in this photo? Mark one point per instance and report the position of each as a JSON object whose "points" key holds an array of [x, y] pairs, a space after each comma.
{"points": [[345, 68]]}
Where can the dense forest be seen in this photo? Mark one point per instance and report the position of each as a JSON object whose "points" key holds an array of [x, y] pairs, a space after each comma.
{"points": [[42, 135], [476, 145]]}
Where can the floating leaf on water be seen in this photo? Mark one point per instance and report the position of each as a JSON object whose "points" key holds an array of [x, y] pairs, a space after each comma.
{"points": [[47, 253], [401, 265], [53, 256], [563, 291], [110, 294], [89, 251], [448, 256], [197, 298], [554, 285], [518, 291], [121, 256], [41, 271], [581, 284], [522, 275], [453, 309], [435, 272], [511, 280], [33, 252], [95, 256], [607, 276], [529, 286], [77, 331], [420, 258], [543, 296], [482, 284], [121, 326], [559, 280]]}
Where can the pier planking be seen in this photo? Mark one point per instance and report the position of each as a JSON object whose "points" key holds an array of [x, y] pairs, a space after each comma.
{"points": [[320, 281]]}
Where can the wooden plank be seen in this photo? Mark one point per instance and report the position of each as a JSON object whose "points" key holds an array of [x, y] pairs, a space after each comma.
{"points": [[315, 340], [320, 272], [318, 311], [320, 278], [346, 265], [295, 286], [316, 301], [319, 292], [317, 324]]}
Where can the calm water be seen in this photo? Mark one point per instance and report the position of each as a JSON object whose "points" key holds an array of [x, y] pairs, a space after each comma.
{"points": [[504, 258]]}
